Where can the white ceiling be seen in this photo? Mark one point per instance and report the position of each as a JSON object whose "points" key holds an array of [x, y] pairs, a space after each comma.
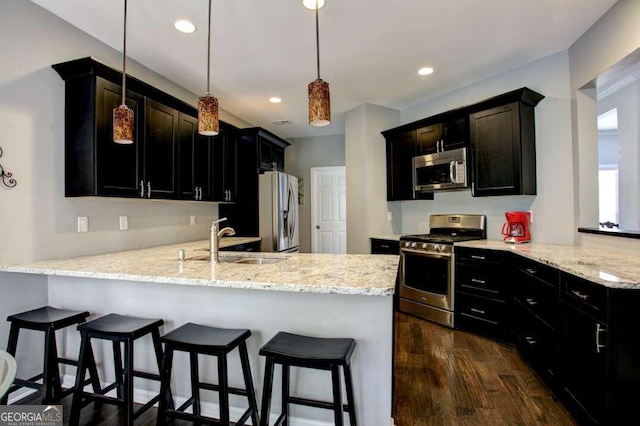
{"points": [[370, 49]]}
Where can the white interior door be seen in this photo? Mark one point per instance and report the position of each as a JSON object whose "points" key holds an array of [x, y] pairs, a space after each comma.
{"points": [[328, 210]]}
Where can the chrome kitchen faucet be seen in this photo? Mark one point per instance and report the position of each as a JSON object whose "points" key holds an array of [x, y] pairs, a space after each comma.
{"points": [[214, 239]]}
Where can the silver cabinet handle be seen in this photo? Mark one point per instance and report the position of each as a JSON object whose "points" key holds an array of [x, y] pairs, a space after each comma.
{"points": [[477, 281], [473, 256], [196, 195], [599, 329], [148, 189], [530, 340], [580, 295], [531, 271], [229, 196], [141, 189], [200, 193], [452, 168], [531, 302], [477, 311]]}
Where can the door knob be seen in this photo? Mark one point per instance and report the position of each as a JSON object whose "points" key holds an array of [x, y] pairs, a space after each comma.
{"points": [[317, 226]]}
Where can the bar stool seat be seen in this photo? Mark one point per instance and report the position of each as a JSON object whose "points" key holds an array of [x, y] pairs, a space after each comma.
{"points": [[47, 319], [295, 350], [124, 330], [199, 339]]}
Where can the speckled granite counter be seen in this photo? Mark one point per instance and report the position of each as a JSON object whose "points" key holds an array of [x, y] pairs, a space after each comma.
{"points": [[605, 267], [226, 242], [314, 273], [393, 237]]}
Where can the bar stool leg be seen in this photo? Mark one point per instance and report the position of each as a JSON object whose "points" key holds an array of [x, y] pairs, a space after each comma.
{"points": [[351, 401], [166, 399], [285, 394], [248, 383], [76, 404], [195, 384], [128, 382], [337, 395], [117, 363], [157, 348], [223, 393], [54, 388], [266, 392], [93, 371]]}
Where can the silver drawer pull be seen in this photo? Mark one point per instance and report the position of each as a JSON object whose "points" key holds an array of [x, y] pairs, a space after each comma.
{"points": [[531, 302], [530, 340], [531, 271], [424, 299], [477, 281], [477, 311], [384, 246], [599, 329], [473, 256], [580, 295]]}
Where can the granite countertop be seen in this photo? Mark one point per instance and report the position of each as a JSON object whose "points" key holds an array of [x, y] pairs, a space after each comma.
{"points": [[371, 275], [606, 267], [236, 241], [392, 237]]}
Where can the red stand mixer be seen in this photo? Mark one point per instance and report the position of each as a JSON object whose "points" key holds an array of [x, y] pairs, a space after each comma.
{"points": [[516, 230]]}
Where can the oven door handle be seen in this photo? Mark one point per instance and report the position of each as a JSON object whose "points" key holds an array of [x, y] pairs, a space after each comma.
{"points": [[427, 254]]}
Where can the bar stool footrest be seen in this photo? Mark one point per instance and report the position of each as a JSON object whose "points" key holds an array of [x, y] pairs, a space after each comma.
{"points": [[216, 388], [145, 375], [315, 403], [280, 420], [28, 383], [188, 403]]}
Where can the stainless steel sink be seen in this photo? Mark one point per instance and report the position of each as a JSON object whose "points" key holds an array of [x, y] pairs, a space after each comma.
{"points": [[259, 260]]}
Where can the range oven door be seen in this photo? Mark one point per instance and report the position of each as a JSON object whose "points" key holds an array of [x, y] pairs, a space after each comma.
{"points": [[427, 278]]}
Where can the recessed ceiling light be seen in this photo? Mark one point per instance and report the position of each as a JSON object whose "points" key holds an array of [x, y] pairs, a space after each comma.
{"points": [[184, 26], [311, 4], [425, 71], [275, 100]]}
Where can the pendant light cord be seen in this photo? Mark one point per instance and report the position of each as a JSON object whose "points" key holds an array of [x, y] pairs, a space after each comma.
{"points": [[124, 55], [208, 49], [317, 40]]}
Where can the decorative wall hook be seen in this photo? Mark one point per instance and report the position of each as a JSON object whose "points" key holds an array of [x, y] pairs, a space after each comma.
{"points": [[6, 178]]}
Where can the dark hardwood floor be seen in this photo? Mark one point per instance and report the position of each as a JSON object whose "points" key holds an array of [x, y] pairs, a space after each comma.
{"points": [[447, 377], [443, 377]]}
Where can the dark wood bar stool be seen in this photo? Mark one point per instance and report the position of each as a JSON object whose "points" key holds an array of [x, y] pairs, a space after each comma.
{"points": [[289, 350], [119, 329], [199, 339], [48, 320]]}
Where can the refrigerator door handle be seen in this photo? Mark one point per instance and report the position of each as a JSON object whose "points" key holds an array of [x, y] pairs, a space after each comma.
{"points": [[285, 223]]}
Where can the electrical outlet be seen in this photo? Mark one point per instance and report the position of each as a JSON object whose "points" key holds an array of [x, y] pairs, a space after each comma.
{"points": [[389, 216], [192, 220], [83, 224], [530, 216], [124, 223]]}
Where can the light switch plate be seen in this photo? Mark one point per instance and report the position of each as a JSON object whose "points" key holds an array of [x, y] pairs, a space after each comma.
{"points": [[124, 223], [530, 216], [83, 224], [389, 216], [192, 220]]}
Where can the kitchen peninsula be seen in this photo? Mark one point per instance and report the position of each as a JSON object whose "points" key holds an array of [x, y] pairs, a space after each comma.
{"points": [[318, 295]]}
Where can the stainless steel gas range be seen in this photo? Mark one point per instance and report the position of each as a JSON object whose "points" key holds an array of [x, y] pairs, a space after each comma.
{"points": [[427, 264]]}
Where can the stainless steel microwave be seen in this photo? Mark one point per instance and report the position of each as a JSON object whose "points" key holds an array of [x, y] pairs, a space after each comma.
{"points": [[441, 171]]}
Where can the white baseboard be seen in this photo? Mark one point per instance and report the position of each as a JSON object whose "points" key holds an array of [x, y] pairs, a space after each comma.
{"points": [[211, 409]]}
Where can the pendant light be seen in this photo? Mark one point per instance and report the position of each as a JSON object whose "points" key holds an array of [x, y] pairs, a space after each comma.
{"points": [[319, 101], [208, 124], [123, 116]]}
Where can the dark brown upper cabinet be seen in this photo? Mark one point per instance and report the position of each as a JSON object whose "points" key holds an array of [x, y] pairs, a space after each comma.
{"points": [[503, 151], [168, 158], [401, 148], [450, 134]]}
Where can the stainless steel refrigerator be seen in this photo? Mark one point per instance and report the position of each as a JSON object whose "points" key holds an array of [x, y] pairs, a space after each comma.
{"points": [[278, 209]]}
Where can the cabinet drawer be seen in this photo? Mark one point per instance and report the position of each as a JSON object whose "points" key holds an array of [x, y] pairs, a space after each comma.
{"points": [[537, 272], [543, 302], [480, 315], [537, 343], [585, 295], [473, 256], [479, 280], [385, 246]]}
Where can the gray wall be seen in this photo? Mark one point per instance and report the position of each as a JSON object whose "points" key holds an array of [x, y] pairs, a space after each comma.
{"points": [[36, 220], [304, 153], [609, 40], [553, 206]]}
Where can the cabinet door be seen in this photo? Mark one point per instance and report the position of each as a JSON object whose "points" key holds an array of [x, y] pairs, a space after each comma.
{"points": [[401, 149], [455, 134], [266, 155], [585, 361], [224, 170], [428, 139], [495, 147], [187, 147], [278, 158], [118, 169], [160, 151]]}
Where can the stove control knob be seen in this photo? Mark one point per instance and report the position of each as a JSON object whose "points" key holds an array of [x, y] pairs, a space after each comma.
{"points": [[439, 247], [414, 245], [425, 245], [407, 243]]}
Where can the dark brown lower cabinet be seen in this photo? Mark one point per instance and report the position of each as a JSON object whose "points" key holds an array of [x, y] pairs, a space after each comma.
{"points": [[379, 246], [580, 337]]}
